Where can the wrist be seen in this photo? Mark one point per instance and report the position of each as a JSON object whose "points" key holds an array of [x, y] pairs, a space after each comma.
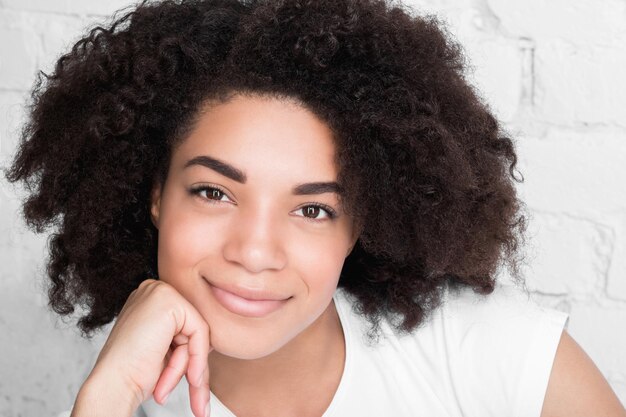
{"points": [[105, 397]]}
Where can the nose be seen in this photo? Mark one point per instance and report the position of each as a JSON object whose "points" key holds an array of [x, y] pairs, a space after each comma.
{"points": [[256, 242]]}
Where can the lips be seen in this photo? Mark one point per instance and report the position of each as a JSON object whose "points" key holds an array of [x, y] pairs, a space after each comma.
{"points": [[247, 302]]}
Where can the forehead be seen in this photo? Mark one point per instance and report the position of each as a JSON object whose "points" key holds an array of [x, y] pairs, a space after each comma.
{"points": [[260, 135]]}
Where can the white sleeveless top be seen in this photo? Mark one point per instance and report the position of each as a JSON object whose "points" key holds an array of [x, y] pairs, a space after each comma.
{"points": [[476, 356]]}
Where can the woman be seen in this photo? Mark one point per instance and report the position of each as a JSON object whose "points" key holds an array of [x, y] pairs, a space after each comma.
{"points": [[300, 206]]}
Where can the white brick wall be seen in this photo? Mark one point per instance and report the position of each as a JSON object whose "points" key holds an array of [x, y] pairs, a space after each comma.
{"points": [[552, 71]]}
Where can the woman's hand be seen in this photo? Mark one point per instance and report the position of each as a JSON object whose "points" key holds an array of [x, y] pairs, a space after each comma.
{"points": [[158, 337]]}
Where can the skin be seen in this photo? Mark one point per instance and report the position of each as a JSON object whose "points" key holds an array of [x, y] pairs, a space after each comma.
{"points": [[259, 233], [576, 387], [253, 233]]}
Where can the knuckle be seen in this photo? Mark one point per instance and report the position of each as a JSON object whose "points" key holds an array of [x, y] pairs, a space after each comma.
{"points": [[177, 370], [146, 283], [162, 291], [179, 316], [163, 288]]}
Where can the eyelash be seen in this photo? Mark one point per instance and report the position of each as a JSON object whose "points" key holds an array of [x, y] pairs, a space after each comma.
{"points": [[197, 190]]}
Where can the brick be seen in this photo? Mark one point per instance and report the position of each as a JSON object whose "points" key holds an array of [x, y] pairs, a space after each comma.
{"points": [[599, 331], [577, 85], [495, 66], [37, 40], [12, 115], [580, 22], [576, 171], [567, 255], [447, 8], [20, 46], [37, 5], [497, 74], [616, 281], [58, 34], [22, 252], [68, 6], [57, 352], [34, 42], [105, 8], [557, 302]]}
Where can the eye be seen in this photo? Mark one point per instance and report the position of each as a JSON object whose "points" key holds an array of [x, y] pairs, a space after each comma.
{"points": [[312, 211], [209, 194]]}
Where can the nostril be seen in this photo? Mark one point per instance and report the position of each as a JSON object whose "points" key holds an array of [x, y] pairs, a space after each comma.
{"points": [[255, 257]]}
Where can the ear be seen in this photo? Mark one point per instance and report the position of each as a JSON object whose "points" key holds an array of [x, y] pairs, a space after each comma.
{"points": [[357, 229], [155, 204], [350, 249]]}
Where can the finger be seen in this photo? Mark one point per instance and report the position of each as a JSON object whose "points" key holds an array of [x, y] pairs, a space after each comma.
{"points": [[172, 374], [195, 331], [199, 347], [198, 356], [164, 363], [168, 355], [192, 325], [199, 396]]}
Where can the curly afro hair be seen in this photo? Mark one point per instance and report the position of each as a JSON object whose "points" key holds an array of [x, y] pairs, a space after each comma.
{"points": [[426, 169]]}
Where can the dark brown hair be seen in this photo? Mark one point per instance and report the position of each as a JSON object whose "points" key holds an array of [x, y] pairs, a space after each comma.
{"points": [[424, 166]]}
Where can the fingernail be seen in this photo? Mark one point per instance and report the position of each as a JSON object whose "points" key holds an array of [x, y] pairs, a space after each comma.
{"points": [[207, 410], [165, 399]]}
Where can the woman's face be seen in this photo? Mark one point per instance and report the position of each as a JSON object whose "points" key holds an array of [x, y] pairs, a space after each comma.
{"points": [[249, 206]]}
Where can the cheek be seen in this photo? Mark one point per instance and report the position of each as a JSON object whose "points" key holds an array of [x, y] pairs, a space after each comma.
{"points": [[319, 265], [184, 241]]}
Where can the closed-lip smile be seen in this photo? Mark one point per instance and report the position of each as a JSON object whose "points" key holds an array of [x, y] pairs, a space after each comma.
{"points": [[247, 302]]}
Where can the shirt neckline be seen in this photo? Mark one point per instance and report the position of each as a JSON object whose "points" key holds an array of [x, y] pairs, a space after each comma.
{"points": [[340, 306]]}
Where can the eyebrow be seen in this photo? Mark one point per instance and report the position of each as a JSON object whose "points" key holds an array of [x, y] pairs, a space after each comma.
{"points": [[218, 166], [238, 175], [311, 188]]}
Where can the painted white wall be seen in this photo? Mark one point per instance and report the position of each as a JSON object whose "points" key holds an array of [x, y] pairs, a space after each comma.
{"points": [[551, 71]]}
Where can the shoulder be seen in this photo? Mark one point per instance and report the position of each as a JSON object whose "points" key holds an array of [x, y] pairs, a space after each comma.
{"points": [[508, 344], [501, 348], [504, 324], [487, 355], [490, 355], [577, 387]]}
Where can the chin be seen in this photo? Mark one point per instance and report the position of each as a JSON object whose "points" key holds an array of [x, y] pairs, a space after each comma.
{"points": [[253, 340], [248, 349]]}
